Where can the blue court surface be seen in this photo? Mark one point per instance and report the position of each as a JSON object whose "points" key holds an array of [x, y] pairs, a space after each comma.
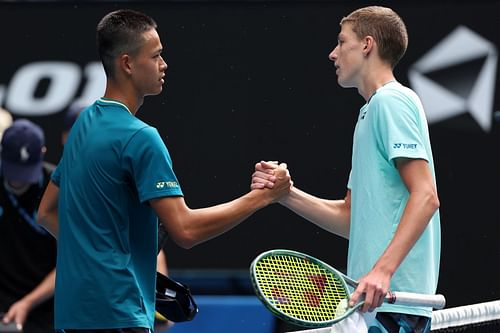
{"points": [[221, 314]]}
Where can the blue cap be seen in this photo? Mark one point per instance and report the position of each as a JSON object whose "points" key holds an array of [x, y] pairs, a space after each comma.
{"points": [[22, 152]]}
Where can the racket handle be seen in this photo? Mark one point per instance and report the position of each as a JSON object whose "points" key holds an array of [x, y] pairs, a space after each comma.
{"points": [[413, 299]]}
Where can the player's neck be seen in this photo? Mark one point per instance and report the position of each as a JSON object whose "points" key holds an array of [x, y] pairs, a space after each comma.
{"points": [[124, 96], [374, 74], [370, 86]]}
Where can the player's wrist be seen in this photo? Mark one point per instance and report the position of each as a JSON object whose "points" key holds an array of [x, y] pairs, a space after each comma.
{"points": [[259, 198], [385, 267]]}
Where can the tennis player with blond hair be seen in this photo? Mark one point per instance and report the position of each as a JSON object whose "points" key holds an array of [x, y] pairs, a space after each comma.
{"points": [[390, 211]]}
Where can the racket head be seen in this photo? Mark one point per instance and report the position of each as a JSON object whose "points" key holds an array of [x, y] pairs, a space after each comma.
{"points": [[300, 289]]}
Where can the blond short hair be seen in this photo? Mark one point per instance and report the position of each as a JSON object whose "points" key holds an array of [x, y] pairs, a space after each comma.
{"points": [[386, 28]]}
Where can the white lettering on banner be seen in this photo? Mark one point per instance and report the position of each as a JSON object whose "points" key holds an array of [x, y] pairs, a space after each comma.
{"points": [[64, 79], [96, 84]]}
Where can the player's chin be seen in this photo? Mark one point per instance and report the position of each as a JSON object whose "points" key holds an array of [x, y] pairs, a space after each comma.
{"points": [[345, 83], [341, 82], [155, 91]]}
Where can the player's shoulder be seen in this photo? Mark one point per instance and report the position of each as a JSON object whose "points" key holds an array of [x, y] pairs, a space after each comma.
{"points": [[396, 90], [144, 135], [145, 129], [394, 93]]}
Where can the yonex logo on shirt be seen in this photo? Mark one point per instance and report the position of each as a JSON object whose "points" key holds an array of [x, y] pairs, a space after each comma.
{"points": [[161, 185], [405, 146]]}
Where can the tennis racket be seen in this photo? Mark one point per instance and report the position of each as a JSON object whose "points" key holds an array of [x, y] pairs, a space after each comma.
{"points": [[305, 291]]}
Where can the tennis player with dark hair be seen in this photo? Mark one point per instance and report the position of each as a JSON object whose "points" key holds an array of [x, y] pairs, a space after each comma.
{"points": [[114, 181], [390, 211]]}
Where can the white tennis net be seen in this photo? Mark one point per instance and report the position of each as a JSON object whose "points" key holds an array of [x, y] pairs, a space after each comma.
{"points": [[475, 318]]}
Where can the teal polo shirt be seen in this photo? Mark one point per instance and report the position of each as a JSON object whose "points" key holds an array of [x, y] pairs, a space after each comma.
{"points": [[112, 165]]}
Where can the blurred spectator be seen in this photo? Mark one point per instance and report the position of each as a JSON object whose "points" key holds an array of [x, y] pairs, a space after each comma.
{"points": [[5, 120], [27, 251], [69, 119]]}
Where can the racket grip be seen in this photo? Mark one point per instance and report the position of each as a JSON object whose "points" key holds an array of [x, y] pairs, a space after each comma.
{"points": [[413, 299]]}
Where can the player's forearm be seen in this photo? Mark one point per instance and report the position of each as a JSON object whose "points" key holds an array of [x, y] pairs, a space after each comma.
{"points": [[331, 215], [49, 220], [43, 291], [47, 210], [206, 223], [189, 227]]}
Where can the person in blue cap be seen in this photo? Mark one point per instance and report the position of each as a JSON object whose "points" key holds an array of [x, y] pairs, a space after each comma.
{"points": [[27, 251]]}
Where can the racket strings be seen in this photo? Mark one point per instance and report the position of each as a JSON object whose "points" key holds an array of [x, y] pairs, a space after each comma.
{"points": [[300, 288]]}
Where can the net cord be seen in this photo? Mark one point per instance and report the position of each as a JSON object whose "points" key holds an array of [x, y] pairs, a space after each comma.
{"points": [[452, 317], [466, 315]]}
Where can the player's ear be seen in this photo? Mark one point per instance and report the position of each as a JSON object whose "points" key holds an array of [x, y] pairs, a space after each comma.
{"points": [[368, 43], [124, 63]]}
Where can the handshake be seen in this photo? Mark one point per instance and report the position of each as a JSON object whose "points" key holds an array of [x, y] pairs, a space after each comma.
{"points": [[273, 177]]}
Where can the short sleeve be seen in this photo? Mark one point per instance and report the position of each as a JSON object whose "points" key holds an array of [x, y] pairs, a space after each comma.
{"points": [[148, 161], [399, 126]]}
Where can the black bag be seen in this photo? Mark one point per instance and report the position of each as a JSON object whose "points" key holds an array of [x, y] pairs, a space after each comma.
{"points": [[174, 300]]}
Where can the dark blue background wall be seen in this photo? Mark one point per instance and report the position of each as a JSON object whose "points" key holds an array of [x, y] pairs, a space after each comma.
{"points": [[250, 81]]}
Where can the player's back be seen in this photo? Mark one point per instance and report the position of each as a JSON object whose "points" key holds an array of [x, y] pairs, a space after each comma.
{"points": [[98, 202]]}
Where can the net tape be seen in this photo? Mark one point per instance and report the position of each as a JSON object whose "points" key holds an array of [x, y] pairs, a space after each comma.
{"points": [[467, 315]]}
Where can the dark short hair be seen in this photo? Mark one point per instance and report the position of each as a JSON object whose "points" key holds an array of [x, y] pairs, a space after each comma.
{"points": [[121, 32]]}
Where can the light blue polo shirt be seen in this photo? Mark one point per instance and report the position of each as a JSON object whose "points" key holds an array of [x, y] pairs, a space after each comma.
{"points": [[391, 125], [112, 164]]}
